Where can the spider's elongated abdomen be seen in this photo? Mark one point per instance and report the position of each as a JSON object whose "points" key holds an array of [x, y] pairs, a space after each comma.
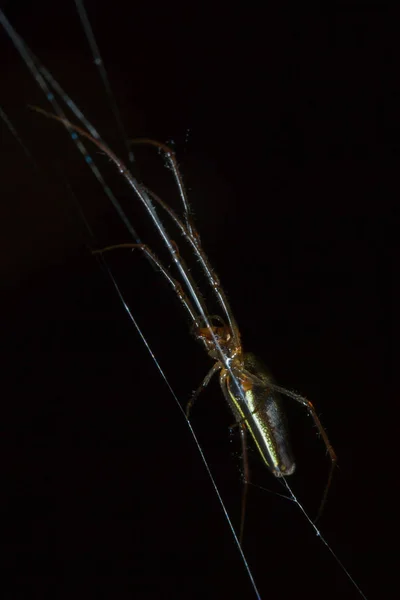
{"points": [[260, 408]]}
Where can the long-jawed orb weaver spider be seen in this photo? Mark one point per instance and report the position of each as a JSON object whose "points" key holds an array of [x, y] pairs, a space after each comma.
{"points": [[250, 391], [248, 388]]}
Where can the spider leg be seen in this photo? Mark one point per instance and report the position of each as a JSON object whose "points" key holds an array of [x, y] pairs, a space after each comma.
{"points": [[173, 282], [191, 234], [246, 479], [332, 454], [214, 369]]}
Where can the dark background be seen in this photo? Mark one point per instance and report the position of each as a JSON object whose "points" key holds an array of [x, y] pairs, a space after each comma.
{"points": [[286, 127]]}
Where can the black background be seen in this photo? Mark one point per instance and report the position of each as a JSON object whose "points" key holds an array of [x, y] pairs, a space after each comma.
{"points": [[286, 125]]}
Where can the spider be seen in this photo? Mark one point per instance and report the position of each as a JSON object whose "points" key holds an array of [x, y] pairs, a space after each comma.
{"points": [[249, 389]]}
